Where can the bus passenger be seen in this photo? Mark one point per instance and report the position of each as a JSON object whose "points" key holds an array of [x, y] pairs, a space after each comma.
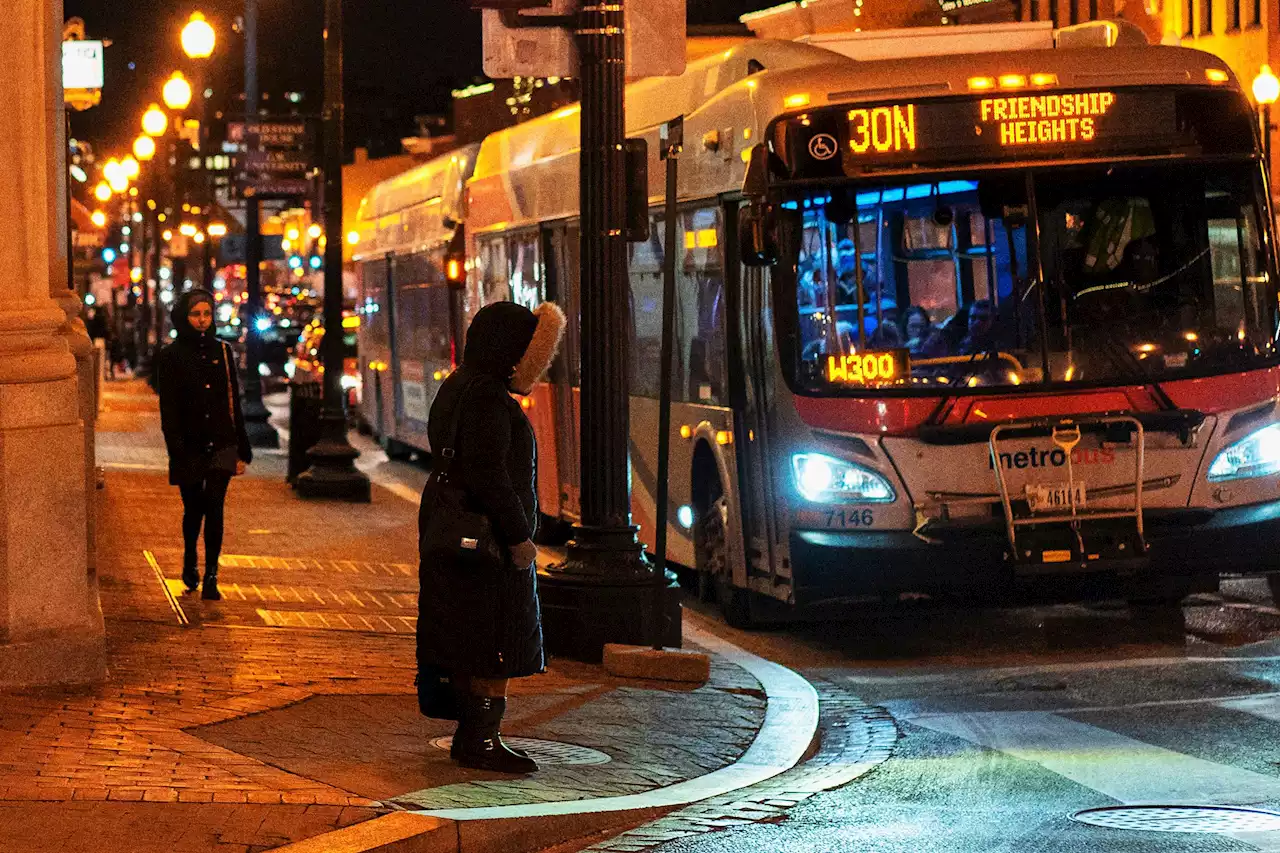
{"points": [[981, 335], [923, 340]]}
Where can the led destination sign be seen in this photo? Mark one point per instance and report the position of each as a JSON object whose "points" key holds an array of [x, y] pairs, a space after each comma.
{"points": [[990, 127], [883, 367]]}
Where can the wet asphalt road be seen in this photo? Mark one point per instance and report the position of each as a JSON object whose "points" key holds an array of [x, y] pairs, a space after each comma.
{"points": [[1011, 721]]}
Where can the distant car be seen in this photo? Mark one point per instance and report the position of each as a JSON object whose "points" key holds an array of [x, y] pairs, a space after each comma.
{"points": [[306, 363]]}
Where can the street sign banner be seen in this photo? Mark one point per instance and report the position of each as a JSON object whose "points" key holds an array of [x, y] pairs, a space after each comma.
{"points": [[291, 133], [266, 186], [655, 31], [82, 65], [277, 163]]}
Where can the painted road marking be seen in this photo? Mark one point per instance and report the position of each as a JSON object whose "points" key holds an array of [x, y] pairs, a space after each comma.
{"points": [[1122, 768], [168, 591], [790, 721]]}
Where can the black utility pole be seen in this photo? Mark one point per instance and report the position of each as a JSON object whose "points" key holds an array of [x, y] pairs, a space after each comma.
{"points": [[256, 417], [602, 593], [332, 473]]}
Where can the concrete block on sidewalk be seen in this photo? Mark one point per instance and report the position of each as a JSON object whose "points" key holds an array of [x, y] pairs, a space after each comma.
{"points": [[664, 665], [399, 832]]}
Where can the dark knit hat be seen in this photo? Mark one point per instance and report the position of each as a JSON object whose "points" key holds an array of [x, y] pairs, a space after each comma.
{"points": [[497, 339]]}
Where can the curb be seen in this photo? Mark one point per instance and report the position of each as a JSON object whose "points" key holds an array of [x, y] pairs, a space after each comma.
{"points": [[786, 734]]}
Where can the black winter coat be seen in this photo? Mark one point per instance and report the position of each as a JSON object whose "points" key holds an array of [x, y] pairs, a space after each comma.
{"points": [[483, 624], [195, 407]]}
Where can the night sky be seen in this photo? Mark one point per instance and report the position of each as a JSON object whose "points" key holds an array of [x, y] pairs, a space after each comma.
{"points": [[402, 58]]}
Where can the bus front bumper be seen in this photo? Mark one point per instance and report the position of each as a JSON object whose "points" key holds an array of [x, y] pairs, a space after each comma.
{"points": [[1182, 544]]}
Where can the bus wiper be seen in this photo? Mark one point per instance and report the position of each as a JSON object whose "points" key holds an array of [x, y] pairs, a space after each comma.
{"points": [[1132, 367]]}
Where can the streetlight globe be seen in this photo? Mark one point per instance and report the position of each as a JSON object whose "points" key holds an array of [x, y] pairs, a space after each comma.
{"points": [[198, 37], [177, 92], [144, 148], [131, 168], [315, 231], [1266, 87], [102, 192], [217, 229], [99, 219], [155, 121]]}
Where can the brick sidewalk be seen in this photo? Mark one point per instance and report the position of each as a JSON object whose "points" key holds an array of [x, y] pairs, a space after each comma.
{"points": [[287, 710]]}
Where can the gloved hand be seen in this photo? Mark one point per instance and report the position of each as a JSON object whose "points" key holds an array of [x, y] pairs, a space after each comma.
{"points": [[523, 555]]}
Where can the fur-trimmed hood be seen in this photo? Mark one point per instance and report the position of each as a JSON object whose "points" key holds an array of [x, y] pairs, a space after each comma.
{"points": [[514, 344]]}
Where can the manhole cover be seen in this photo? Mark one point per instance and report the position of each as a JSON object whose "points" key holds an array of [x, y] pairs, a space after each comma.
{"points": [[544, 751], [1213, 819]]}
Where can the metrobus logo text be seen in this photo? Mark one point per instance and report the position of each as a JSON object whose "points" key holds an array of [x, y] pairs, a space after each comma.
{"points": [[1056, 458], [884, 129], [1046, 119]]}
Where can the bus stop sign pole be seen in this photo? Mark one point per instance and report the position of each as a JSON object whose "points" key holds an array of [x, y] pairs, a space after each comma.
{"points": [[672, 143]]}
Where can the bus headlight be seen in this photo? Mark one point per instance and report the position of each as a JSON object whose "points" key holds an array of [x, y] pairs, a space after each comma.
{"points": [[823, 479], [1256, 455]]}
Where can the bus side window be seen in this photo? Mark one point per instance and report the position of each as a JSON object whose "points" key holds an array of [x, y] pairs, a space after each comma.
{"points": [[492, 262], [700, 310], [528, 283], [646, 311]]}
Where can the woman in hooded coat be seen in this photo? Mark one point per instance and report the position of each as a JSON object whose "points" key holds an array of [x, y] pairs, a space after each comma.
{"points": [[203, 430], [476, 630]]}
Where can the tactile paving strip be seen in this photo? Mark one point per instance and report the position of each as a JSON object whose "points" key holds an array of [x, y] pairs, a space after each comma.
{"points": [[1218, 820], [545, 752]]}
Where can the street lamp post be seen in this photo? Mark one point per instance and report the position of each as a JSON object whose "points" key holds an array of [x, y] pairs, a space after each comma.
{"points": [[256, 417], [1266, 90], [177, 94], [602, 593], [333, 473]]}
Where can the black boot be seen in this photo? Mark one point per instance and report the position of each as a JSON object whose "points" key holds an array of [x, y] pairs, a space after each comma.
{"points": [[190, 576], [210, 591], [478, 743]]}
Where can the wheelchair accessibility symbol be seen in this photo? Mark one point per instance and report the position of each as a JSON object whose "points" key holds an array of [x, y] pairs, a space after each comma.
{"points": [[823, 146]]}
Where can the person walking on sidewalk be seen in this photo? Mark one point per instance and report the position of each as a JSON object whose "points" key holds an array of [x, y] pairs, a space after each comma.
{"points": [[203, 430], [480, 627]]}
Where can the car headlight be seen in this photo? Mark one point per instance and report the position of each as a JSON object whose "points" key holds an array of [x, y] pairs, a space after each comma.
{"points": [[349, 382], [822, 479], [1256, 455]]}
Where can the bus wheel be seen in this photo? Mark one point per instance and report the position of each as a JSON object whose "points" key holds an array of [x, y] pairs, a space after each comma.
{"points": [[715, 575]]}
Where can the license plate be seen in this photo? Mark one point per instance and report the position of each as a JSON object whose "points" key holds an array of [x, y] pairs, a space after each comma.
{"points": [[1056, 497]]}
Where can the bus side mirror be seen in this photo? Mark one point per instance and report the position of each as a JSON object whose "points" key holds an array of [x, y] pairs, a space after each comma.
{"points": [[757, 235]]}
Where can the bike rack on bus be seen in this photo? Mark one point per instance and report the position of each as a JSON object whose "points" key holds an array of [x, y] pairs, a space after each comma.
{"points": [[1066, 434]]}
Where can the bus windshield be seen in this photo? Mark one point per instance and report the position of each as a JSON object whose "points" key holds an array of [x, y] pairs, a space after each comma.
{"points": [[1095, 274]]}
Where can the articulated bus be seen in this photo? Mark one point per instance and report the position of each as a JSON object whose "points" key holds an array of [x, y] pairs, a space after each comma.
{"points": [[945, 324]]}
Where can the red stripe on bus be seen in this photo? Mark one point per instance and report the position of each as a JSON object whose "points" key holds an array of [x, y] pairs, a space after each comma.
{"points": [[902, 416]]}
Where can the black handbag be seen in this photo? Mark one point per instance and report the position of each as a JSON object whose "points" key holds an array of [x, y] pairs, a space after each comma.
{"points": [[454, 533]]}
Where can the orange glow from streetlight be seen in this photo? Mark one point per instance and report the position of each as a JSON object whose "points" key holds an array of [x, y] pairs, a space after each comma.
{"points": [[177, 92], [144, 148], [155, 121], [198, 37]]}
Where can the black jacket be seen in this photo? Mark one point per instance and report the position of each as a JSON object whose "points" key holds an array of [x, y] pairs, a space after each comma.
{"points": [[195, 403], [476, 623]]}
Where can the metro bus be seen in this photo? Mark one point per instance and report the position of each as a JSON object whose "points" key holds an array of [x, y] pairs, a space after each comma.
{"points": [[408, 262], [945, 324]]}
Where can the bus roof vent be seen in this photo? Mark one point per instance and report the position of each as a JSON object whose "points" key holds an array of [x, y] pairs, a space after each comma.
{"points": [[1100, 34]]}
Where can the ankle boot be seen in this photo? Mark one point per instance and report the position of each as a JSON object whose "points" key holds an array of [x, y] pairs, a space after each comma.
{"points": [[190, 576], [210, 591], [478, 743]]}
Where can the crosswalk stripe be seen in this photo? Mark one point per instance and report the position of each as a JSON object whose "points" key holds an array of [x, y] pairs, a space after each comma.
{"points": [[1120, 767]]}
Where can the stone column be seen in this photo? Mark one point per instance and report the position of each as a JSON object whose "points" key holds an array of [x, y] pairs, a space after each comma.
{"points": [[50, 620]]}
